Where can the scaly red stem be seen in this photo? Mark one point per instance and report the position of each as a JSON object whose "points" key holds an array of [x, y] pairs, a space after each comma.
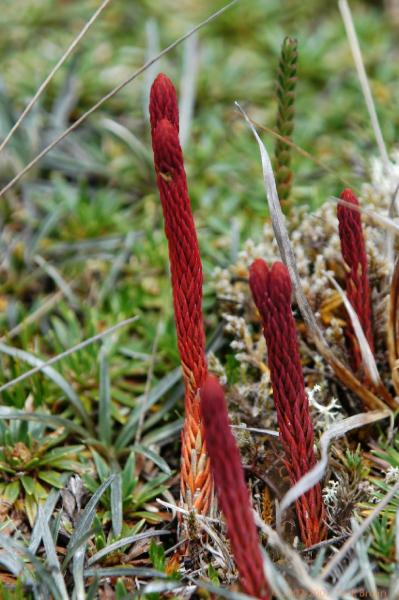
{"points": [[186, 274], [232, 492], [357, 282], [271, 290], [163, 102]]}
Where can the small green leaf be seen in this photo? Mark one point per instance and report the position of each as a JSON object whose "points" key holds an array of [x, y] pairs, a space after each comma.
{"points": [[66, 464], [86, 517], [90, 483], [31, 509], [157, 556], [126, 541], [53, 478], [100, 541], [102, 468], [120, 590], [51, 556], [129, 480], [39, 492], [60, 453], [104, 405], [150, 517], [28, 484], [11, 492], [213, 575], [156, 459], [116, 505]]}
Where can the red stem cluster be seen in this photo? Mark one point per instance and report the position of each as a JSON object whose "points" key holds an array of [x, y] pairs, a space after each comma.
{"points": [[232, 492], [357, 282], [271, 290], [186, 275]]}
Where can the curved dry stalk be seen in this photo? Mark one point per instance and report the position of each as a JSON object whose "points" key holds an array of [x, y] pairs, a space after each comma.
{"points": [[305, 153], [365, 349], [111, 94], [373, 380], [373, 216], [364, 83]]}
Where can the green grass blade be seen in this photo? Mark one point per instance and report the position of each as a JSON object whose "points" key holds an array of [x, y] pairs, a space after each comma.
{"points": [[163, 433], [51, 555], [156, 458], [129, 429], [124, 572], [47, 511], [104, 407], [50, 420], [116, 504], [53, 375], [88, 514], [126, 541], [40, 572], [77, 572]]}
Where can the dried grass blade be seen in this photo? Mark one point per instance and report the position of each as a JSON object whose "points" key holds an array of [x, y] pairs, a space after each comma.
{"points": [[367, 355], [390, 242], [280, 231], [387, 222], [188, 86], [361, 72]]}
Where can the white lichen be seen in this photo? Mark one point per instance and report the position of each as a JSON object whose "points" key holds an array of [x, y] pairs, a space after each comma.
{"points": [[392, 475], [330, 492]]}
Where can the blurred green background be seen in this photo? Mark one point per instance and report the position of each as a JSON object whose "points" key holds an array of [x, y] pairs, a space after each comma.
{"points": [[90, 209]]}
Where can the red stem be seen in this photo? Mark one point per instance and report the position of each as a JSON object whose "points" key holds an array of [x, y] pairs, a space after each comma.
{"points": [[186, 275], [231, 490], [271, 290], [357, 282]]}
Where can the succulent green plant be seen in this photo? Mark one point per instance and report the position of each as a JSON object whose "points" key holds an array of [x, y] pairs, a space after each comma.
{"points": [[136, 493], [32, 461]]}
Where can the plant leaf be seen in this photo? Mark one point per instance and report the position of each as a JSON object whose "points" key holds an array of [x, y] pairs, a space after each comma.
{"points": [[51, 374], [116, 504], [51, 555], [88, 514], [126, 541], [154, 457], [104, 405]]}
